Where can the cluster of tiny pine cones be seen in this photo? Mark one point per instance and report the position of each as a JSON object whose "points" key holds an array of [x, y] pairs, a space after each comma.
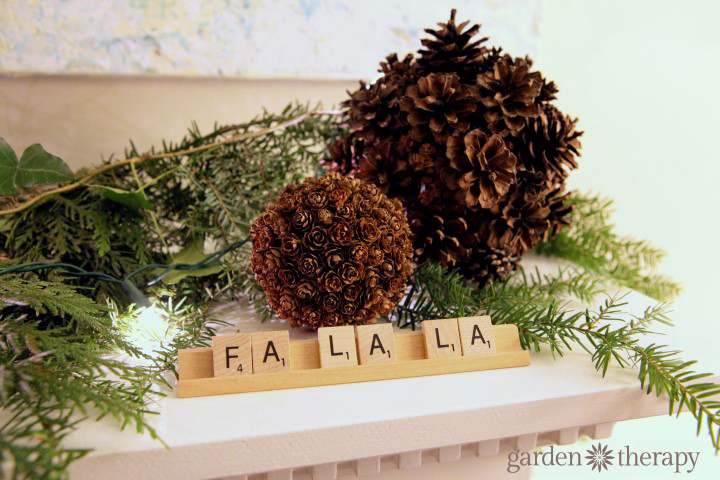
{"points": [[470, 141], [332, 251]]}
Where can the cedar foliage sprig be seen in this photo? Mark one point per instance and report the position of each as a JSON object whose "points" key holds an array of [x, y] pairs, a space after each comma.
{"points": [[81, 228]]}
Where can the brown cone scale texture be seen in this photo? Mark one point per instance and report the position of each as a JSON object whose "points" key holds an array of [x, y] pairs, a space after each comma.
{"points": [[332, 251], [468, 139]]}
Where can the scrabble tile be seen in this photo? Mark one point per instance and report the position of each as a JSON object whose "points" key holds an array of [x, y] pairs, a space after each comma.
{"points": [[442, 338], [232, 355], [375, 343], [271, 351], [337, 346], [476, 335]]}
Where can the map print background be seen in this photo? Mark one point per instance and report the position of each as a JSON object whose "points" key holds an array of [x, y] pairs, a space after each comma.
{"points": [[323, 39]]}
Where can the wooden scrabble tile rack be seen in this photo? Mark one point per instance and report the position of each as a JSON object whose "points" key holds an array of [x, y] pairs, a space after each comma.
{"points": [[195, 366]]}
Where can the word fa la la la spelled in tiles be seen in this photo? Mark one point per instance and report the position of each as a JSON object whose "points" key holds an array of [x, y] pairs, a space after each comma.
{"points": [[269, 352]]}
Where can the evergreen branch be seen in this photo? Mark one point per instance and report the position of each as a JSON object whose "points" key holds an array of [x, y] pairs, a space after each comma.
{"points": [[54, 366], [591, 243], [136, 160], [664, 372], [538, 305]]}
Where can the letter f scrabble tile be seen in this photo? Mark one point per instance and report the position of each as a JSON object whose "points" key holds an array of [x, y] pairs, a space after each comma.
{"points": [[231, 355], [442, 338]]}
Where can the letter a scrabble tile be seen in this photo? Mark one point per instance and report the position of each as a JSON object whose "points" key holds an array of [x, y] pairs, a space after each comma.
{"points": [[271, 351], [375, 343], [232, 355], [337, 346], [442, 338], [476, 335]]}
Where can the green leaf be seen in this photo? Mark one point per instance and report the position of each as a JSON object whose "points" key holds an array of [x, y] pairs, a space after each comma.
{"points": [[8, 166], [193, 253], [133, 200], [36, 167]]}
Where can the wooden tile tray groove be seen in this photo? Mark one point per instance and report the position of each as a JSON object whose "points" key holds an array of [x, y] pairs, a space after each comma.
{"points": [[195, 366]]}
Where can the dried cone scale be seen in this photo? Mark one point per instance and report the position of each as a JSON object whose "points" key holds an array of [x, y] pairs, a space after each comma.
{"points": [[332, 251], [468, 139]]}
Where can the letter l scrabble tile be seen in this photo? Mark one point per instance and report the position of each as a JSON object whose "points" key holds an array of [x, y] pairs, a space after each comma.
{"points": [[337, 346], [442, 338]]}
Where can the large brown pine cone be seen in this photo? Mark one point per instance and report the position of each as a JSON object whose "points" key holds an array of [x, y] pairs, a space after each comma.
{"points": [[452, 50], [551, 144], [371, 110], [444, 232], [528, 214], [332, 251], [483, 167], [438, 105], [382, 164], [509, 93]]}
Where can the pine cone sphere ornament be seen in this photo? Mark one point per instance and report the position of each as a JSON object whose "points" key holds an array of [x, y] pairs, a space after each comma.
{"points": [[468, 138], [332, 251]]}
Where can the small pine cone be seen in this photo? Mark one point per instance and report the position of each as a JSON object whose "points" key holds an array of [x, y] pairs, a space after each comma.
{"points": [[439, 105], [487, 264], [452, 50], [509, 93], [371, 110], [482, 168], [551, 144], [332, 251]]}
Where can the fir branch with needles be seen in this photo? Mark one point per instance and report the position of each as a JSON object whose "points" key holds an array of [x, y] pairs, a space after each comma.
{"points": [[590, 241]]}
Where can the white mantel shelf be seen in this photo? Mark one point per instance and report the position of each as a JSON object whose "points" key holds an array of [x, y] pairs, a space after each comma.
{"points": [[311, 431]]}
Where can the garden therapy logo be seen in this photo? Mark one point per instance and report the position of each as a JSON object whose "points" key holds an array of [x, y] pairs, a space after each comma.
{"points": [[600, 458]]}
